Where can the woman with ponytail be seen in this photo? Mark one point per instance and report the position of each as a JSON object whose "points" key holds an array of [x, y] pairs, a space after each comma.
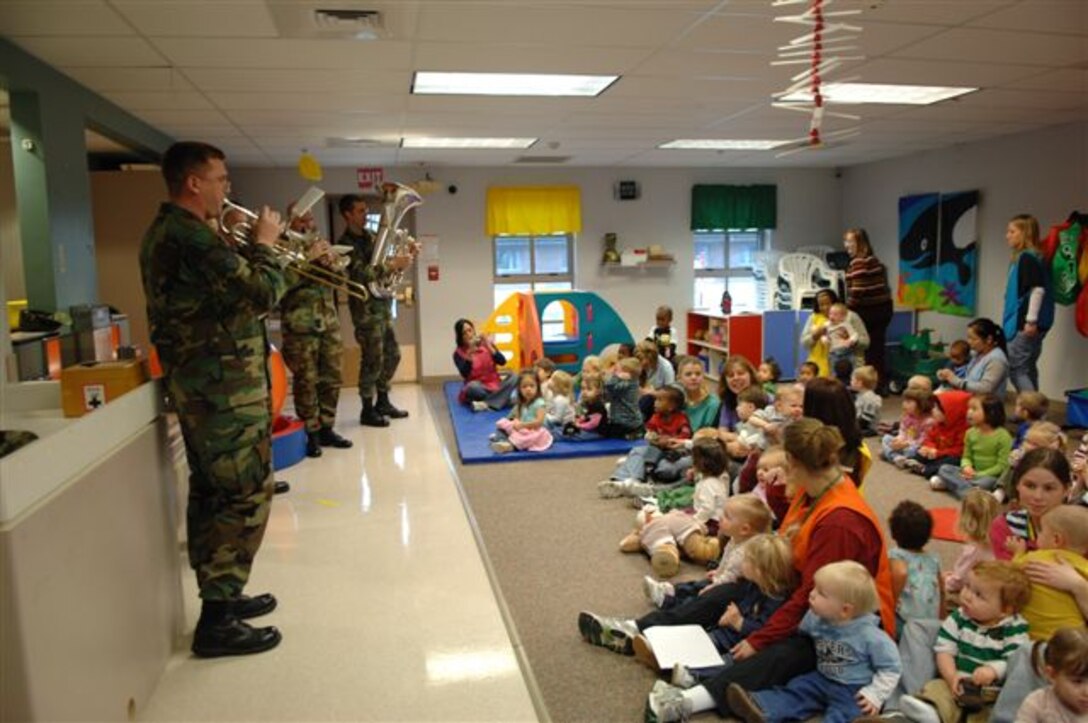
{"points": [[988, 370]]}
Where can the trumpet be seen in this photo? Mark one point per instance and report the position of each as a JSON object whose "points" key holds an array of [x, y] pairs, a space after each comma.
{"points": [[238, 222]]}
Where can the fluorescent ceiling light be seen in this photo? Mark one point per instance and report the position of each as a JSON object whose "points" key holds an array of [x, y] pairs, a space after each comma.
{"points": [[434, 83], [881, 93], [467, 142], [711, 144]]}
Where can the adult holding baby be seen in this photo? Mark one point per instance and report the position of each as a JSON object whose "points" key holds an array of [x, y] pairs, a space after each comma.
{"points": [[478, 362]]}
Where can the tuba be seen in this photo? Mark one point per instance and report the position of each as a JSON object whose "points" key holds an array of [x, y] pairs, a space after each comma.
{"points": [[391, 240]]}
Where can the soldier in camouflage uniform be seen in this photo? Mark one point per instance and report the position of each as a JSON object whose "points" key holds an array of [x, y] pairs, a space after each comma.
{"points": [[312, 349], [205, 303], [373, 321]]}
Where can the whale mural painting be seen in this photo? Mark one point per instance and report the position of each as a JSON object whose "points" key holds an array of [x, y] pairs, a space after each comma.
{"points": [[938, 252]]}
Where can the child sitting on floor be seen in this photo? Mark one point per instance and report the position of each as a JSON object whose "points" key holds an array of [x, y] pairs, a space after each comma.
{"points": [[986, 448], [1030, 407], [943, 443], [524, 429], [591, 368], [916, 574], [857, 664], [768, 374], [591, 415], [807, 372], [1041, 435], [1063, 538], [913, 425], [621, 390], [743, 517], [918, 383], [977, 512], [867, 402], [561, 405], [974, 646], [664, 536], [544, 369], [748, 437], [1065, 665], [663, 335], [767, 578]]}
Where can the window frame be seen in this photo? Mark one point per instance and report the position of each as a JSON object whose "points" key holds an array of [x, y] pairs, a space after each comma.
{"points": [[533, 278], [765, 237]]}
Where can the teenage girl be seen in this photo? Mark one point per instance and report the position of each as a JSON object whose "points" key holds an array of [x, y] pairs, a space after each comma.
{"points": [[1065, 665], [977, 514], [524, 429], [1029, 304], [986, 448]]}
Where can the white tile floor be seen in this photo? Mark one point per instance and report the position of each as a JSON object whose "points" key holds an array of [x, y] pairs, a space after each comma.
{"points": [[386, 609]]}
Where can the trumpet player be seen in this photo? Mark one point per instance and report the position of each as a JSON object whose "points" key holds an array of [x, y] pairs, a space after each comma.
{"points": [[205, 303], [312, 347], [373, 320]]}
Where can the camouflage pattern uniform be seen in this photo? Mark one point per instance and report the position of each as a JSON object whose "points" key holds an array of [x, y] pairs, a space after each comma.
{"points": [[205, 304], [312, 349], [373, 321]]}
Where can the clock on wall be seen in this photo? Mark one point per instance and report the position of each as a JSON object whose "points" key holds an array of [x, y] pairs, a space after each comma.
{"points": [[626, 190]]}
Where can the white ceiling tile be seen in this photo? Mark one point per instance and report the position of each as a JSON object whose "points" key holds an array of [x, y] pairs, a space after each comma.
{"points": [[706, 64], [200, 18], [288, 54], [164, 118], [136, 100], [61, 17], [933, 72], [256, 80], [129, 79], [314, 102], [619, 26], [1040, 16], [1070, 80], [93, 51], [1041, 100], [297, 117], [512, 58], [930, 12], [1000, 47], [748, 33]]}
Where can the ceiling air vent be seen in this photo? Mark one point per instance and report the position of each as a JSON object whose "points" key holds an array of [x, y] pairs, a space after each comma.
{"points": [[541, 159], [356, 143], [363, 24]]}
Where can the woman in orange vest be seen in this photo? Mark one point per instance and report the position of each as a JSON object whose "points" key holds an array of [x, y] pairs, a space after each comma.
{"points": [[828, 521]]}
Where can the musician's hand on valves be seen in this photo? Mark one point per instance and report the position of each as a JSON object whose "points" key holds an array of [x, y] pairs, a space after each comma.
{"points": [[400, 262], [267, 230], [318, 249]]}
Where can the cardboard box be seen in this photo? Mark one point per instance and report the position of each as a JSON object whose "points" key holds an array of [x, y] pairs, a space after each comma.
{"points": [[88, 386]]}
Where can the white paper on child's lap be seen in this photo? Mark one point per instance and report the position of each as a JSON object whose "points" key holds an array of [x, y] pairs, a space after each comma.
{"points": [[686, 644]]}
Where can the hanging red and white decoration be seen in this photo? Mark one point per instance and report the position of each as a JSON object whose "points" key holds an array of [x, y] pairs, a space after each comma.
{"points": [[823, 51]]}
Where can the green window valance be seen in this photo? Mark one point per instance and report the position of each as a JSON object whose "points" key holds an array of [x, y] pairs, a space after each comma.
{"points": [[534, 210], [722, 207]]}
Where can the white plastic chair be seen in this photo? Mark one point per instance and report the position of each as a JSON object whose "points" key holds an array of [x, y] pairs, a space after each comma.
{"points": [[818, 250], [765, 271], [798, 269]]}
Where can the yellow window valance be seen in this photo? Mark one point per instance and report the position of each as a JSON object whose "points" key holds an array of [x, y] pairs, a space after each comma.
{"points": [[534, 210]]}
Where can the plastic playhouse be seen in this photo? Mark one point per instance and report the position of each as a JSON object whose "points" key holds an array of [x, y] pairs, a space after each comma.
{"points": [[564, 326], [915, 355]]}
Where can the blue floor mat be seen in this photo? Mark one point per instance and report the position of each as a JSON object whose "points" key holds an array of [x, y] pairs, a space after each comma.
{"points": [[472, 430]]}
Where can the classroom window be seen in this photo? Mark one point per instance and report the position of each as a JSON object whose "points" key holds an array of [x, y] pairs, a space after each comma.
{"points": [[535, 263], [724, 259]]}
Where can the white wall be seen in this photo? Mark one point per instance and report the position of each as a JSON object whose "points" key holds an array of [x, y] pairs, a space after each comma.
{"points": [[808, 213], [1044, 173]]}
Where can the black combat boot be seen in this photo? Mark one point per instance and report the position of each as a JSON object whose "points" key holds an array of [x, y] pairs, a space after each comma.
{"points": [[386, 407], [313, 444], [246, 607], [371, 417], [328, 438], [219, 632], [279, 487]]}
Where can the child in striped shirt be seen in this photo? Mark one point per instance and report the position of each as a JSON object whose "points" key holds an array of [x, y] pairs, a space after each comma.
{"points": [[974, 646]]}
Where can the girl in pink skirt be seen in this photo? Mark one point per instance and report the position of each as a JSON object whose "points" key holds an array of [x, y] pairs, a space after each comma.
{"points": [[524, 429]]}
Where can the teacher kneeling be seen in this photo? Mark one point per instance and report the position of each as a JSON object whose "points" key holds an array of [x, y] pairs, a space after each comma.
{"points": [[828, 521]]}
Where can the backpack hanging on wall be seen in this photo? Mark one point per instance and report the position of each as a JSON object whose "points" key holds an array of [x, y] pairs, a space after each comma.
{"points": [[1063, 249]]}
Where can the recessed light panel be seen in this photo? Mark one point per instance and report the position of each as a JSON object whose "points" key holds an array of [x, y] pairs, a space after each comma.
{"points": [[435, 83], [713, 144], [881, 93], [498, 143]]}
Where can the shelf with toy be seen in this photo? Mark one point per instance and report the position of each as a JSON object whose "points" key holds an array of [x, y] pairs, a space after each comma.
{"points": [[647, 264]]}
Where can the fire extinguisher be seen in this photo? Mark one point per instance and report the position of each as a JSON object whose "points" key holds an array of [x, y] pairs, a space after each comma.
{"points": [[727, 303]]}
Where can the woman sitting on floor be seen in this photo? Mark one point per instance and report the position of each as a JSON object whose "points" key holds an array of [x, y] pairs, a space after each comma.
{"points": [[478, 360]]}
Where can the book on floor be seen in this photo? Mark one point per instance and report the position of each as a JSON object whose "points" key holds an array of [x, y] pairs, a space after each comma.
{"points": [[689, 645]]}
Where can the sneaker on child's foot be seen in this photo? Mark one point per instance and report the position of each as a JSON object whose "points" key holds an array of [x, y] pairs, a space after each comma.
{"points": [[656, 591], [666, 704], [612, 488], [999, 495], [644, 653], [616, 634], [918, 710], [682, 677], [640, 489], [479, 406], [936, 483], [497, 437], [913, 465], [901, 462], [743, 705], [502, 447]]}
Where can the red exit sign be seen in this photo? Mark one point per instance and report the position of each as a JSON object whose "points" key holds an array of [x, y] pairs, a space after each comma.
{"points": [[369, 177]]}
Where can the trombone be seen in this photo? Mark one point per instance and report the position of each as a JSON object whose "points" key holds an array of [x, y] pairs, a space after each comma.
{"points": [[238, 223]]}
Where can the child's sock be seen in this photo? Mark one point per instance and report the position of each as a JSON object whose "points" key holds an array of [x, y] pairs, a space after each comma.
{"points": [[700, 699]]}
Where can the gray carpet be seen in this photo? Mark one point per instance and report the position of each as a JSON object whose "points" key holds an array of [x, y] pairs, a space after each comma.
{"points": [[553, 546]]}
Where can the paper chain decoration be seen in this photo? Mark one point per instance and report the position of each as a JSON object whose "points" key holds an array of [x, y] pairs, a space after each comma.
{"points": [[821, 50]]}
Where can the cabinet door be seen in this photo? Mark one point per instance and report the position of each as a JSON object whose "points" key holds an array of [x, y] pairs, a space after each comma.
{"points": [[746, 337]]}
